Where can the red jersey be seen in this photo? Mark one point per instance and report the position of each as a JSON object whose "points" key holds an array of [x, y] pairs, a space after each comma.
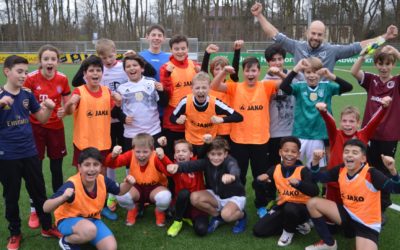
{"points": [[337, 137], [376, 89], [43, 88], [190, 181], [125, 160]]}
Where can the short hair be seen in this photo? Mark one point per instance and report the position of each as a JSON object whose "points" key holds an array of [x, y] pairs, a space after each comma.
{"points": [[136, 58], [92, 61], [201, 77], [218, 61], [90, 152], [143, 140], [178, 39], [219, 143], [12, 60], [293, 139], [249, 62], [350, 110], [382, 57], [47, 47], [104, 45], [272, 50], [357, 143], [315, 62], [155, 27], [183, 141]]}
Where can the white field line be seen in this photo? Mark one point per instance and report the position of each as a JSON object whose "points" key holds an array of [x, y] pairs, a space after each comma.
{"points": [[395, 207], [357, 93]]}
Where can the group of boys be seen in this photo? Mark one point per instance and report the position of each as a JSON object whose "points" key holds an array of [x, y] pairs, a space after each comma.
{"points": [[191, 120]]}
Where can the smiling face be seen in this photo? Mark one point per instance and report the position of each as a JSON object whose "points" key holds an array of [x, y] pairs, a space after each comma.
{"points": [[311, 77], [289, 153], [384, 69], [315, 34], [133, 70], [93, 75], [89, 169], [217, 156], [16, 75], [349, 124], [48, 63], [277, 60], [156, 39], [142, 154], [180, 50], [353, 158], [182, 152], [251, 74], [200, 89]]}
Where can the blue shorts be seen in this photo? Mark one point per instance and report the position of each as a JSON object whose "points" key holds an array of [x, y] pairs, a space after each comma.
{"points": [[65, 228]]}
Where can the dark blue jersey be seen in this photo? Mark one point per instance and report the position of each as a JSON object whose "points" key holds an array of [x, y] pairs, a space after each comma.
{"points": [[16, 138]]}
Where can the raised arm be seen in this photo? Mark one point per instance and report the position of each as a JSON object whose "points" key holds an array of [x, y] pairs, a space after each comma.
{"points": [[344, 86], [356, 68], [44, 113], [237, 45], [218, 83], [391, 33], [52, 204], [268, 28]]}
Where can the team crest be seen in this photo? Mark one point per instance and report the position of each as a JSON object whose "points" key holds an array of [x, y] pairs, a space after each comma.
{"points": [[322, 55], [313, 96], [320, 93], [139, 96], [25, 103], [390, 84], [59, 89]]}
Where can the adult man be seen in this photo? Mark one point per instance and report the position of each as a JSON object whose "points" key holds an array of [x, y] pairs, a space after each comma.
{"points": [[315, 45]]}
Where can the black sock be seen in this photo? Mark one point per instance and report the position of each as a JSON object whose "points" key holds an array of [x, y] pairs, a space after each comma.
{"points": [[323, 230], [182, 202], [56, 173]]}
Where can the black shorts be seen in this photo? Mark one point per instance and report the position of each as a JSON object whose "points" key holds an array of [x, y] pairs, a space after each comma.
{"points": [[356, 228]]}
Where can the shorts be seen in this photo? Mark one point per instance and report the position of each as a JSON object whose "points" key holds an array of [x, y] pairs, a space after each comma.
{"points": [[65, 227], [240, 201], [144, 191], [77, 152], [357, 229], [307, 149], [51, 139]]}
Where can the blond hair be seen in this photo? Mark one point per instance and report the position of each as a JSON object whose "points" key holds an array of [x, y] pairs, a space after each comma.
{"points": [[315, 62], [201, 77], [143, 140], [104, 45], [351, 110]]}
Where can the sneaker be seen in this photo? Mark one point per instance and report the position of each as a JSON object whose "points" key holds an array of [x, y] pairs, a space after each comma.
{"points": [[67, 246], [320, 245], [51, 233], [304, 228], [214, 223], [131, 217], [188, 221], [262, 211], [240, 225], [33, 221], [112, 203], [175, 228], [14, 242], [285, 239], [107, 213], [160, 217]]}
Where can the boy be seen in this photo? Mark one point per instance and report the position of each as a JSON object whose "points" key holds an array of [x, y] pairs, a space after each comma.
{"points": [[217, 65], [385, 139], [295, 187], [78, 203], [308, 124], [360, 187], [199, 112], [151, 183], [18, 153], [250, 137], [185, 184], [225, 197], [348, 129], [176, 76], [281, 107], [91, 105]]}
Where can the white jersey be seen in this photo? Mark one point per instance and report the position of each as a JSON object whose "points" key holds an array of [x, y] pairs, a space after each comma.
{"points": [[139, 100], [113, 77]]}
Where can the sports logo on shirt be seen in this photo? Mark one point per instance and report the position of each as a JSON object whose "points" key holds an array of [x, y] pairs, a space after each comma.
{"points": [[139, 96], [322, 55], [59, 89], [43, 97], [390, 84], [25, 103], [313, 96], [89, 113], [320, 93]]}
